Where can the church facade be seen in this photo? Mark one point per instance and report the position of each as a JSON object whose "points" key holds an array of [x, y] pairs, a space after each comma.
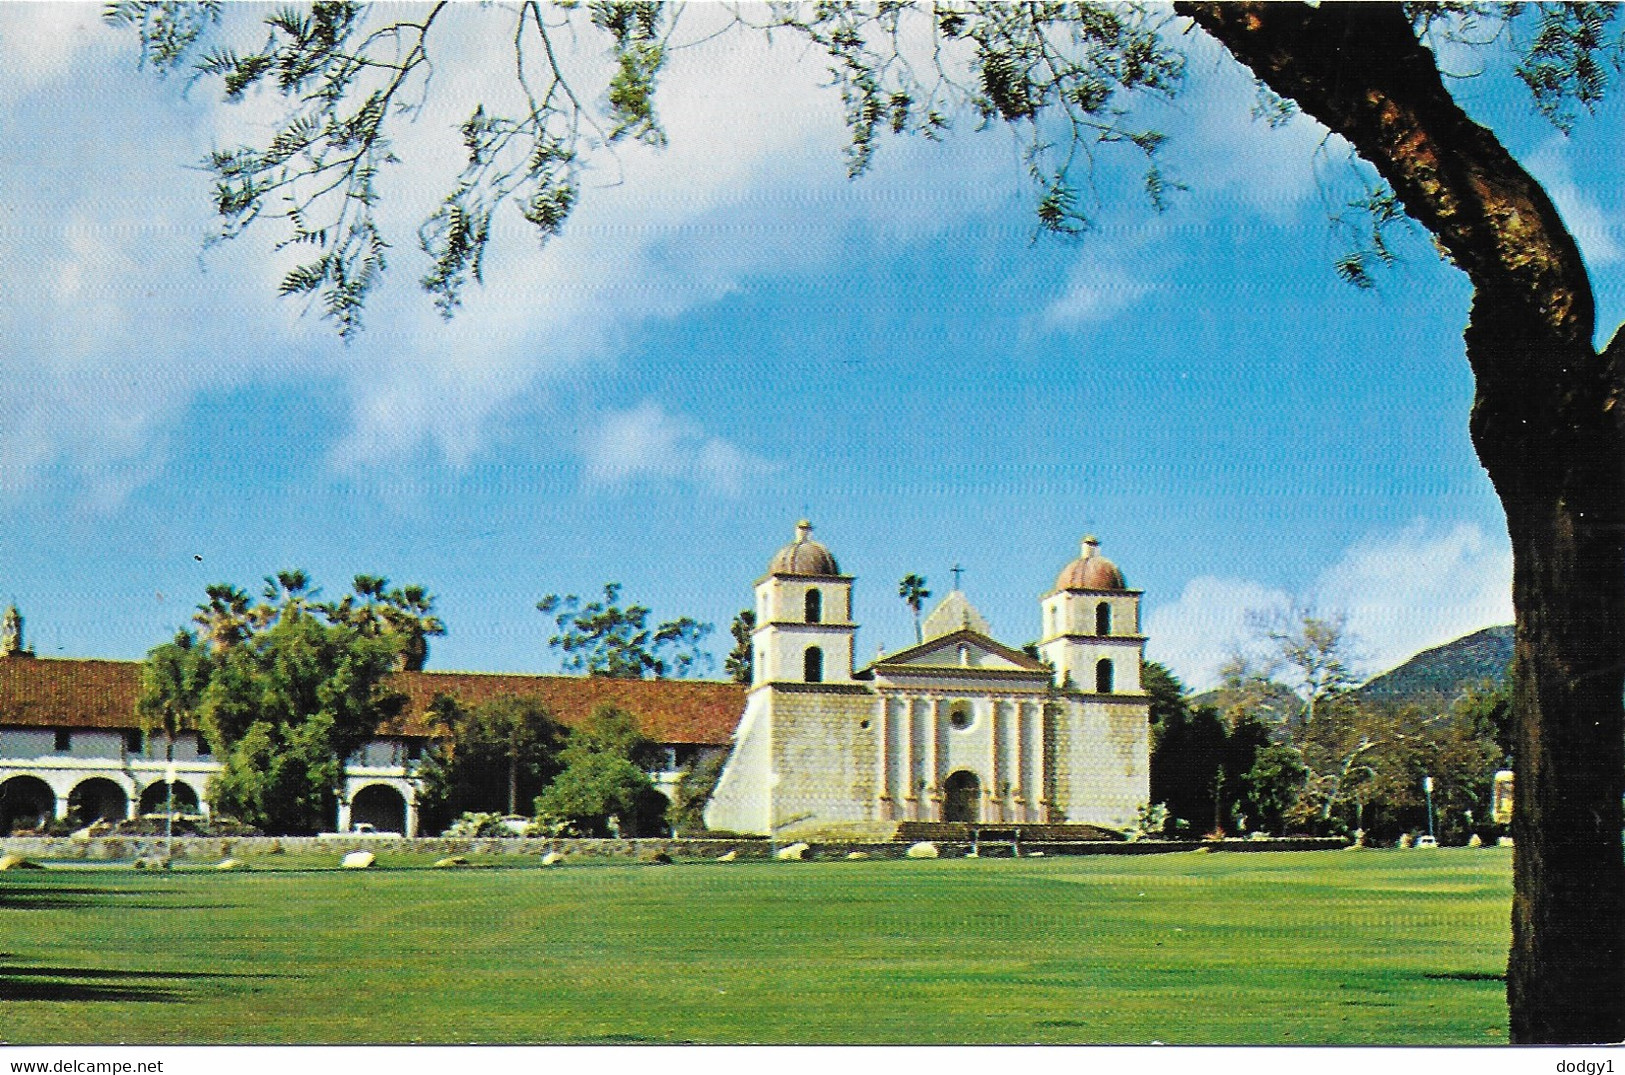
{"points": [[959, 727]]}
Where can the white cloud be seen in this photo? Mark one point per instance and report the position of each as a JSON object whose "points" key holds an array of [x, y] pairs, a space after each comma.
{"points": [[1097, 289], [117, 329], [1601, 235], [647, 443], [1420, 587], [43, 42], [1402, 592], [1208, 623]]}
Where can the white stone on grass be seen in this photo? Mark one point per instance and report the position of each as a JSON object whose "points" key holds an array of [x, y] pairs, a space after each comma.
{"points": [[18, 862], [793, 853], [449, 863], [552, 858], [230, 864], [729, 857], [357, 860], [925, 849], [857, 855]]}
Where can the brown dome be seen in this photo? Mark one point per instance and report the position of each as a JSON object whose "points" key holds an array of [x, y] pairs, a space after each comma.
{"points": [[1090, 571], [803, 556]]}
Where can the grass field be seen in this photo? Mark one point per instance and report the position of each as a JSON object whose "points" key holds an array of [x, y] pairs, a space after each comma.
{"points": [[1401, 947]]}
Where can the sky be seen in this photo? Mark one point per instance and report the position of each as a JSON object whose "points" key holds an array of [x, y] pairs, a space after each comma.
{"points": [[730, 335]]}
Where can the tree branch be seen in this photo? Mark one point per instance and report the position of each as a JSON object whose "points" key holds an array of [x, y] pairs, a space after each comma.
{"points": [[1360, 70]]}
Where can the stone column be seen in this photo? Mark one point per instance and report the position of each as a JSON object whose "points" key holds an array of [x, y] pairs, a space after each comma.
{"points": [[1041, 767], [883, 760], [911, 800], [411, 816], [1035, 746], [1019, 775], [344, 811], [994, 799], [933, 792]]}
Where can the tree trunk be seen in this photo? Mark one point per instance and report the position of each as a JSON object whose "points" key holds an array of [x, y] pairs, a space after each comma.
{"points": [[1549, 426], [1559, 466]]}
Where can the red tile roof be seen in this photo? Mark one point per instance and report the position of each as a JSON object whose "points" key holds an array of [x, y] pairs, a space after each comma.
{"points": [[85, 693], [668, 710]]}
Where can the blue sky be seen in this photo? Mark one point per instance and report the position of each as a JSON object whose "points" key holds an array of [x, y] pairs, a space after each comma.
{"points": [[729, 337]]}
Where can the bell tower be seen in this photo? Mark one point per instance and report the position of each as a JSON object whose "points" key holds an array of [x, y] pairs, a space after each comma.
{"points": [[11, 633], [1091, 630], [804, 629]]}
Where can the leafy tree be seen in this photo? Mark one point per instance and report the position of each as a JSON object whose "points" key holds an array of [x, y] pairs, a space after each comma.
{"points": [[1311, 652], [695, 784], [601, 638], [490, 758], [285, 710], [1487, 710], [1198, 759], [1546, 419], [1272, 787], [1188, 768], [286, 690], [914, 594], [174, 678], [741, 660], [1169, 705], [605, 776]]}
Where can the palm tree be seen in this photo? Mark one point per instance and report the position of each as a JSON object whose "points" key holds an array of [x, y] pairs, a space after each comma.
{"points": [[173, 680], [409, 613], [288, 595], [225, 618], [913, 592], [406, 612]]}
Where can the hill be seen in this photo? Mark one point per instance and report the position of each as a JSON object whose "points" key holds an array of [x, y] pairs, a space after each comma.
{"points": [[1433, 677], [1441, 674]]}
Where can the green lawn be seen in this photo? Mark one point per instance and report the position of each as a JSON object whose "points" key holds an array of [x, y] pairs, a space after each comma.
{"points": [[1370, 946]]}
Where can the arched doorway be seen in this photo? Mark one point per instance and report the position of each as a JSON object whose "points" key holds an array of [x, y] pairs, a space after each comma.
{"points": [[26, 802], [962, 797], [156, 798], [98, 799], [380, 806]]}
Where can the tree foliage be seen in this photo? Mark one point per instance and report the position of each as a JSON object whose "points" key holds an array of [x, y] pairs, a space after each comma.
{"points": [[174, 681], [696, 781], [286, 709], [604, 787], [285, 689], [911, 588], [601, 638], [1203, 769], [740, 663], [495, 757]]}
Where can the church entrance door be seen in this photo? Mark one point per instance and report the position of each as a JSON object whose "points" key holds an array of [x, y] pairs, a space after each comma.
{"points": [[962, 797]]}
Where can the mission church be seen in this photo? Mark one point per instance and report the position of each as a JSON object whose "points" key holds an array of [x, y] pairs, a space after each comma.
{"points": [[959, 727]]}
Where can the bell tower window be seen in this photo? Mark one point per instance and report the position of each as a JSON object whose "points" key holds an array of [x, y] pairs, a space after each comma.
{"points": [[812, 665], [1103, 618], [1103, 676], [815, 606]]}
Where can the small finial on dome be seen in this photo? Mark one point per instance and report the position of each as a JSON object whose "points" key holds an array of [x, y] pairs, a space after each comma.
{"points": [[803, 528], [1091, 545]]}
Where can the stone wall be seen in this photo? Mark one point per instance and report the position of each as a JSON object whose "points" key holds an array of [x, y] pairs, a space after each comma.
{"points": [[213, 849]]}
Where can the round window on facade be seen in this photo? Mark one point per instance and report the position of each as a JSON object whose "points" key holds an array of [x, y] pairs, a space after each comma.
{"points": [[959, 716]]}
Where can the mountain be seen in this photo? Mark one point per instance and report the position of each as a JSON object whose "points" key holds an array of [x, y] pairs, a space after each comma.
{"points": [[1433, 677], [1441, 674]]}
